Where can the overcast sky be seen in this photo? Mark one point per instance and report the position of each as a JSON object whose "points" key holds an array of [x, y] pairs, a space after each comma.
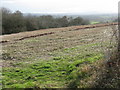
{"points": [[62, 6]]}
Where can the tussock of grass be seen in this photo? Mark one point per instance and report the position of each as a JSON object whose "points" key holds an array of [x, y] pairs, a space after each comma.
{"points": [[6, 56]]}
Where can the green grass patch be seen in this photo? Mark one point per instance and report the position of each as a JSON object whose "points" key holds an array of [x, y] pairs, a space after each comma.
{"points": [[31, 40], [53, 73], [94, 22], [83, 47]]}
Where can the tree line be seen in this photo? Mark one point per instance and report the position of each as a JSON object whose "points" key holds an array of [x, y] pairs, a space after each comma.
{"points": [[14, 22]]}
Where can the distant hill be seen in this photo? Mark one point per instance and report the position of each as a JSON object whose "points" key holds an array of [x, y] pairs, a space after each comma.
{"points": [[91, 17]]}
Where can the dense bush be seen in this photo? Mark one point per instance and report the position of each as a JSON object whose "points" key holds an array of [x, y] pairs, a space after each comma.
{"points": [[17, 22]]}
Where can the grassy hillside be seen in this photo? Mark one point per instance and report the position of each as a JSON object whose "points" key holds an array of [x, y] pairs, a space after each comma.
{"points": [[67, 58]]}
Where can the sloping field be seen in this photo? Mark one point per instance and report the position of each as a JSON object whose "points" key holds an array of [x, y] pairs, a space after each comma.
{"points": [[59, 57], [24, 35]]}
